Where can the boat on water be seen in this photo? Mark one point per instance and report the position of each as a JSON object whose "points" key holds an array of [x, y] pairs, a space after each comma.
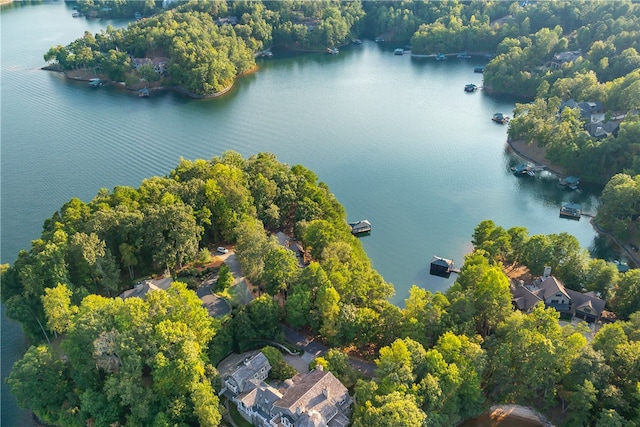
{"points": [[463, 55], [440, 57], [478, 70], [360, 227], [571, 211], [357, 41], [76, 14], [500, 118], [470, 87], [523, 170], [95, 82], [398, 51], [333, 50], [144, 92]]}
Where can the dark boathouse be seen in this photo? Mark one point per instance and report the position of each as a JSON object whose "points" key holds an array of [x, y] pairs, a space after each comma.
{"points": [[441, 266]]}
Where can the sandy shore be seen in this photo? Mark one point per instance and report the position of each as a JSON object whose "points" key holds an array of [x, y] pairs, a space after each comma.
{"points": [[535, 154], [500, 412]]}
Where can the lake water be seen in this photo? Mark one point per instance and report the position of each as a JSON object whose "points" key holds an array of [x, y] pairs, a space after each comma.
{"points": [[397, 140]]}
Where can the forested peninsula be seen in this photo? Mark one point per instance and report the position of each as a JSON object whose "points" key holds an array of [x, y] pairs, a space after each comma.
{"points": [[444, 357]]}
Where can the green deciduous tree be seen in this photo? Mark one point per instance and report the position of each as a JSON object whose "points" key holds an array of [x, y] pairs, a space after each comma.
{"points": [[40, 382], [58, 309], [389, 410], [626, 296], [280, 370]]}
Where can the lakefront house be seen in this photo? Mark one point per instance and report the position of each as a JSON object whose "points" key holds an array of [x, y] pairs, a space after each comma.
{"points": [[552, 292], [316, 398]]}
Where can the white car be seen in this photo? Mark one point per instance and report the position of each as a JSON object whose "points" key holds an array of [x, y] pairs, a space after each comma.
{"points": [[222, 250]]}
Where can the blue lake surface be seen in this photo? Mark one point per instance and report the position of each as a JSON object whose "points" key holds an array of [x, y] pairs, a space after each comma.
{"points": [[397, 140]]}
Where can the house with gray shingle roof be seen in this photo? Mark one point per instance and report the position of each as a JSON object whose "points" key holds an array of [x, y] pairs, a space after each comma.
{"points": [[317, 398], [561, 59], [552, 293], [603, 129], [254, 368], [141, 288], [589, 110]]}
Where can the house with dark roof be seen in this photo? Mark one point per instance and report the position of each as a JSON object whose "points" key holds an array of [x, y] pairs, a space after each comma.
{"points": [[143, 287], [317, 398], [254, 368], [589, 110], [603, 129], [552, 293], [293, 245], [441, 266], [314, 399], [228, 20], [562, 59]]}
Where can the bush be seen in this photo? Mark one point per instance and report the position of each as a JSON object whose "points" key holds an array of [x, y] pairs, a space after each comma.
{"points": [[204, 257], [280, 370], [225, 279]]}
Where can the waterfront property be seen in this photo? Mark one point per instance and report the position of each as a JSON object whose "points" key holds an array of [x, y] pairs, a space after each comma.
{"points": [[95, 82], [571, 211], [570, 182], [317, 398], [500, 118], [552, 293], [522, 170], [359, 227], [441, 267]]}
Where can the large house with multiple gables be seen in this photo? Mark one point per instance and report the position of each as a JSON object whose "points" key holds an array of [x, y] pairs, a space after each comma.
{"points": [[552, 293], [315, 399]]}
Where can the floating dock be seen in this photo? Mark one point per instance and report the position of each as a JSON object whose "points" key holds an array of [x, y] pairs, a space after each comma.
{"points": [[360, 227], [571, 211]]}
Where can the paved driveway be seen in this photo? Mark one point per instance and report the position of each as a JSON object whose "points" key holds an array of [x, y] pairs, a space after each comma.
{"points": [[216, 306], [313, 349]]}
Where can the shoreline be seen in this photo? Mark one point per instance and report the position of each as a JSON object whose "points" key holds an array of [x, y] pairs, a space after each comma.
{"points": [[179, 89], [508, 413], [523, 413], [534, 154]]}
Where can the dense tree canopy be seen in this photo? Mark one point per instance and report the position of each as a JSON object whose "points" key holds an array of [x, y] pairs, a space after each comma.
{"points": [[204, 46], [440, 359], [125, 361]]}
